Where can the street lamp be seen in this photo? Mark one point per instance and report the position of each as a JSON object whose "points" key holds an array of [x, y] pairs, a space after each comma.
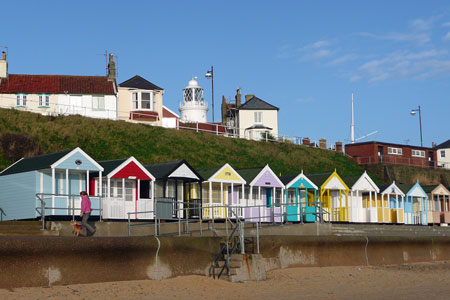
{"points": [[210, 74], [413, 113]]}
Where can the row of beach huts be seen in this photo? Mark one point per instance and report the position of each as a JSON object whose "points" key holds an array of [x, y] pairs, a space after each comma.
{"points": [[124, 188]]}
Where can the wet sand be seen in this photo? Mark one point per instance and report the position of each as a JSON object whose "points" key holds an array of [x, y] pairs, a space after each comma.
{"points": [[413, 281]]}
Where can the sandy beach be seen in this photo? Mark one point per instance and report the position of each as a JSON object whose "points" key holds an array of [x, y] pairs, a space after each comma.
{"points": [[416, 281]]}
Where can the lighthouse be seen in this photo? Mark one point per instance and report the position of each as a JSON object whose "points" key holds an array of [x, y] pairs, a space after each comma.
{"points": [[193, 108]]}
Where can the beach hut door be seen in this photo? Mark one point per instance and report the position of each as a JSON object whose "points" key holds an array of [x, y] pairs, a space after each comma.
{"points": [[269, 197], [130, 197]]}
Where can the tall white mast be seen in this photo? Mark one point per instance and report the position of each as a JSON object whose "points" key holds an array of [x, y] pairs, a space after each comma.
{"points": [[352, 126]]}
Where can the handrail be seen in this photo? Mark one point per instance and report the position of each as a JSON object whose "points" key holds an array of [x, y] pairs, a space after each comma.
{"points": [[71, 206], [2, 213], [220, 254]]}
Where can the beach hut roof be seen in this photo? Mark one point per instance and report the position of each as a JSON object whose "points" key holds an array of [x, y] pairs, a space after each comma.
{"points": [[167, 170]]}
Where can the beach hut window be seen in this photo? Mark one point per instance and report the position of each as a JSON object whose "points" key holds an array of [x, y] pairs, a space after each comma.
{"points": [[247, 193], [255, 193], [291, 196], [170, 188], [129, 187]]}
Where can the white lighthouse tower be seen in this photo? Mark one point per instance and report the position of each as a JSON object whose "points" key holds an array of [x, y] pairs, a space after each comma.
{"points": [[194, 107]]}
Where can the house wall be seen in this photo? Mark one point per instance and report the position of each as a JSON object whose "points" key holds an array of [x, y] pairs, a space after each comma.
{"points": [[10, 101], [67, 107], [368, 154], [247, 119], [18, 195], [125, 103], [443, 162]]}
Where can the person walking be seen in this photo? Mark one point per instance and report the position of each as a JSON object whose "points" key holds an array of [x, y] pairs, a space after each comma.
{"points": [[86, 213]]}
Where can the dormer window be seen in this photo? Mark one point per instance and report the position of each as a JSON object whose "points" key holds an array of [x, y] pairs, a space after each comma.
{"points": [[21, 100], [44, 100]]}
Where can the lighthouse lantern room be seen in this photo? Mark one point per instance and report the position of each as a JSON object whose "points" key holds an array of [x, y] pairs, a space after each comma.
{"points": [[193, 108]]}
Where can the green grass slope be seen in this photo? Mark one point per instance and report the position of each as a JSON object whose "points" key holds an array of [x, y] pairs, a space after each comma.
{"points": [[28, 134]]}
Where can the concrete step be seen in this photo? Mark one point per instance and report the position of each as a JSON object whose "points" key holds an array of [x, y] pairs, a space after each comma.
{"points": [[218, 269], [233, 263], [7, 228]]}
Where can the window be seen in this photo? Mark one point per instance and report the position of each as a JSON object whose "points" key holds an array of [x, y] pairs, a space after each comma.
{"points": [[258, 117], [44, 100], [135, 100], [418, 153], [21, 100], [98, 102], [396, 151], [154, 102], [442, 153], [145, 100], [129, 185]]}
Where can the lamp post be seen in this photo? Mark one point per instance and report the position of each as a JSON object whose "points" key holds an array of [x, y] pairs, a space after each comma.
{"points": [[210, 74], [413, 112]]}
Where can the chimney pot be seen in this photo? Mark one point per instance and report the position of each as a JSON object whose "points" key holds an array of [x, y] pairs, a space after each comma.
{"points": [[3, 55], [339, 147], [323, 144], [111, 68], [248, 97]]}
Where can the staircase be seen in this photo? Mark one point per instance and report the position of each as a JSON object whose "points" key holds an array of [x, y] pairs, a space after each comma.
{"points": [[24, 228]]}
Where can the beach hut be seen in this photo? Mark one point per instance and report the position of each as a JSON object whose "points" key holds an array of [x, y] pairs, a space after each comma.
{"points": [[300, 198], [55, 180], [416, 210], [173, 190], [333, 195], [392, 202], [222, 186], [262, 195], [363, 203], [438, 204], [127, 187]]}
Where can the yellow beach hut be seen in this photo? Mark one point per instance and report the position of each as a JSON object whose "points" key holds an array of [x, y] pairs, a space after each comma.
{"points": [[333, 195], [223, 187]]}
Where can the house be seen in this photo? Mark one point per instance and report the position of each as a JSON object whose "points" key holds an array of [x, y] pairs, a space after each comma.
{"points": [[169, 118], [438, 204], [263, 195], [388, 153], [90, 96], [255, 119], [333, 193], [416, 208], [127, 188], [392, 200], [363, 202], [51, 180], [174, 194], [140, 100], [223, 187], [300, 198], [443, 155]]}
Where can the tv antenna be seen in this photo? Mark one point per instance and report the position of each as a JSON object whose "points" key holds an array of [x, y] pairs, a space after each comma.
{"points": [[352, 127]]}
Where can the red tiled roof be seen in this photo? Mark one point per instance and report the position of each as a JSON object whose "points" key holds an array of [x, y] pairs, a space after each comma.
{"points": [[56, 84]]}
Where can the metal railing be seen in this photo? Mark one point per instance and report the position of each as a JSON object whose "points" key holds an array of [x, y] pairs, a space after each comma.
{"points": [[41, 197], [393, 159], [2, 213]]}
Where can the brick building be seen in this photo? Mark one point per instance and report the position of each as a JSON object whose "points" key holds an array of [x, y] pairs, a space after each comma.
{"points": [[379, 152]]}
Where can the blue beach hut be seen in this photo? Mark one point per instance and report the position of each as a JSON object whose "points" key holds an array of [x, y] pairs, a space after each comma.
{"points": [[300, 198], [416, 210], [54, 179]]}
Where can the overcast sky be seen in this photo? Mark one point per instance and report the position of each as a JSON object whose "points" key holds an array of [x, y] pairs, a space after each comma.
{"points": [[305, 58]]}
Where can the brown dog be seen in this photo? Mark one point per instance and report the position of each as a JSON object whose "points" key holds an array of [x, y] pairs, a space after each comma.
{"points": [[76, 228]]}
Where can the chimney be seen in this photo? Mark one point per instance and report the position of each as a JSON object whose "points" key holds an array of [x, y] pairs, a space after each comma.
{"points": [[306, 141], [3, 66], [111, 68], [248, 97], [238, 98], [323, 144], [339, 147], [224, 111]]}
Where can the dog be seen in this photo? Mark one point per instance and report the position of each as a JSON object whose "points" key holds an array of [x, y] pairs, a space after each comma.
{"points": [[76, 228]]}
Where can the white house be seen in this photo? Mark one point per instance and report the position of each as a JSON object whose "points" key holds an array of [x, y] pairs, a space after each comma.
{"points": [[443, 155], [255, 119], [90, 96]]}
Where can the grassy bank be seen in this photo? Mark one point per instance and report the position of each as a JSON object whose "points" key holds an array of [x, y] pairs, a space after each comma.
{"points": [[28, 134]]}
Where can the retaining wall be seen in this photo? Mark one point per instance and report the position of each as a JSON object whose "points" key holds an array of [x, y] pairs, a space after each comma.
{"points": [[45, 261]]}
